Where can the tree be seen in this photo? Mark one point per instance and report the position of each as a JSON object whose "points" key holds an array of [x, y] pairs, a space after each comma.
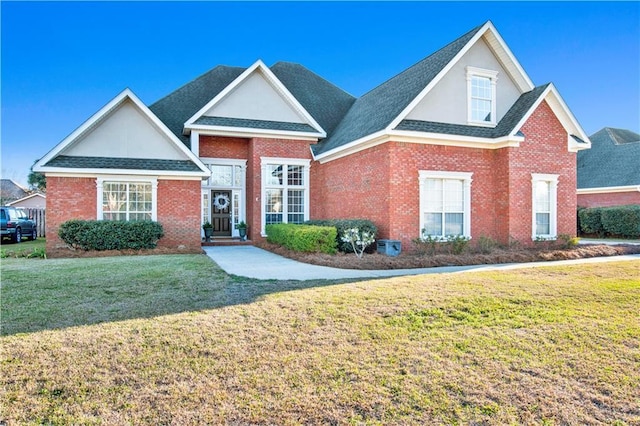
{"points": [[37, 181]]}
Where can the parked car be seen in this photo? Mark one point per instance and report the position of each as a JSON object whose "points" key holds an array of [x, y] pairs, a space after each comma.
{"points": [[16, 225]]}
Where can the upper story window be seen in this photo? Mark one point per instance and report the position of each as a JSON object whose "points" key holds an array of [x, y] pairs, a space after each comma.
{"points": [[481, 96]]}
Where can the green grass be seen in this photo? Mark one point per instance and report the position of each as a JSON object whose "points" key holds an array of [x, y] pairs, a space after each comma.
{"points": [[174, 340], [26, 248]]}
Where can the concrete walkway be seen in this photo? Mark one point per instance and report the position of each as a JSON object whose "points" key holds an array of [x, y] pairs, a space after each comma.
{"points": [[253, 262]]}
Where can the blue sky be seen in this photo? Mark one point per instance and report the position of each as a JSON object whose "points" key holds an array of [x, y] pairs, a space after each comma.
{"points": [[61, 62]]}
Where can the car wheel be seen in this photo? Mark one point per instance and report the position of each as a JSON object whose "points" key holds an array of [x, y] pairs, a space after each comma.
{"points": [[17, 237], [34, 234]]}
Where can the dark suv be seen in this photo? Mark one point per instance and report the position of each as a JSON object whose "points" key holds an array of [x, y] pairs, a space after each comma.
{"points": [[15, 225]]}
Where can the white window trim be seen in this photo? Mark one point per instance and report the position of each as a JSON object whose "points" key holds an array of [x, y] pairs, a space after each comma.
{"points": [[553, 194], [423, 175], [100, 180], [264, 161], [493, 76]]}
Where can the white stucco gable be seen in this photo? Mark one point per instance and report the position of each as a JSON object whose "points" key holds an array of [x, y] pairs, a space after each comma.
{"points": [[445, 99], [125, 128], [252, 101]]}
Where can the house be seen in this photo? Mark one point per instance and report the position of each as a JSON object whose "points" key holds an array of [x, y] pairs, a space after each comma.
{"points": [[33, 201], [609, 173], [11, 191], [461, 143]]}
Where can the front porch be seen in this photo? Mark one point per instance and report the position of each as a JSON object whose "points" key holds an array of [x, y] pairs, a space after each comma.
{"points": [[226, 241]]}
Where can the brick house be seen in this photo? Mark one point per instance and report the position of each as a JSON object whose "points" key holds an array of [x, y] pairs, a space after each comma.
{"points": [[461, 143], [609, 173]]}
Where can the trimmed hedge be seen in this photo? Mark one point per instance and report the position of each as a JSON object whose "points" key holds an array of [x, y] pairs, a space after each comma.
{"points": [[305, 238], [342, 225], [619, 221], [110, 235]]}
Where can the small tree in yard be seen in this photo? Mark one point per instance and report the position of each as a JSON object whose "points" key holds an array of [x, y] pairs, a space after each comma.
{"points": [[358, 240]]}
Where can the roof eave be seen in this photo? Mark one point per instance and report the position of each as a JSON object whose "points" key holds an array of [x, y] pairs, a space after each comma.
{"points": [[134, 172], [248, 132]]}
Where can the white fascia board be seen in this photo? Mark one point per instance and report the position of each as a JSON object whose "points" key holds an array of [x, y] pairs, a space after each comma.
{"points": [[564, 115], [248, 132], [609, 189], [277, 84], [105, 111], [521, 78], [423, 138], [64, 171], [455, 140], [509, 61]]}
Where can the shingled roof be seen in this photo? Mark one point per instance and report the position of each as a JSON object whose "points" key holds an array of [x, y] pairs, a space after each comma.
{"points": [[77, 162], [612, 160], [376, 109], [180, 105], [9, 190]]}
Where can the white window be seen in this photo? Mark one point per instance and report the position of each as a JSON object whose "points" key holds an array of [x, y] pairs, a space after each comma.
{"points": [[285, 191], [545, 206], [481, 94], [445, 204], [131, 200]]}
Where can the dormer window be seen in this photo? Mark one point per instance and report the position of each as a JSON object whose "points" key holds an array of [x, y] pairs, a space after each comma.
{"points": [[481, 96]]}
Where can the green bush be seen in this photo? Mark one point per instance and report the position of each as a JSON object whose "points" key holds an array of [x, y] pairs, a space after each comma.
{"points": [[623, 221], [344, 225], [590, 221], [304, 238], [110, 235], [619, 221]]}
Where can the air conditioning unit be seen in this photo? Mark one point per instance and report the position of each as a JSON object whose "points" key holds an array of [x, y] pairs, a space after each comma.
{"points": [[389, 247]]}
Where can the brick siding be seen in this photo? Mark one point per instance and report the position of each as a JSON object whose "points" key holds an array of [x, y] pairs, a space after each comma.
{"points": [[609, 199]]}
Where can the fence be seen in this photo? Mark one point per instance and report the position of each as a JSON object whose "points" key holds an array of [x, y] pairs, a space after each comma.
{"points": [[40, 217]]}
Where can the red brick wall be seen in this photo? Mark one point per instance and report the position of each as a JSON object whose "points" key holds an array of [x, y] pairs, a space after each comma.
{"points": [[382, 184], [609, 199], [68, 198], [179, 213], [266, 147], [224, 147], [75, 198]]}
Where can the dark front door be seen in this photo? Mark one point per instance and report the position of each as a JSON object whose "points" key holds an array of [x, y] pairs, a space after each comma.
{"points": [[221, 213]]}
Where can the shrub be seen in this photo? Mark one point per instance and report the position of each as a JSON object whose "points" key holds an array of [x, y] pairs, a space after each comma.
{"points": [[304, 238], [566, 241], [451, 244], [619, 221], [486, 245], [110, 235], [359, 240], [590, 221], [343, 225], [623, 221]]}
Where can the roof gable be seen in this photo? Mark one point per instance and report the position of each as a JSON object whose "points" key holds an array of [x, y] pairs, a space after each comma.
{"points": [[255, 96], [123, 129]]}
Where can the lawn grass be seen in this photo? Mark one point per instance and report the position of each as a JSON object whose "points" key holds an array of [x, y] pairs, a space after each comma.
{"points": [[174, 340], [24, 249]]}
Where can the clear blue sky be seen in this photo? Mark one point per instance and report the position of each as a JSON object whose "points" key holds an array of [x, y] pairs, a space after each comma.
{"points": [[61, 62]]}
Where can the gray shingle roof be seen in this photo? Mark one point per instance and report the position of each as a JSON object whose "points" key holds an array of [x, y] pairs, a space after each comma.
{"points": [[177, 107], [376, 109], [67, 161], [9, 190], [255, 124], [326, 102], [613, 160], [503, 128]]}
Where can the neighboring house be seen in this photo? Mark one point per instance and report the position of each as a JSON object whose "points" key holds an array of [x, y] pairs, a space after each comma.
{"points": [[33, 201], [461, 143], [11, 191], [609, 173]]}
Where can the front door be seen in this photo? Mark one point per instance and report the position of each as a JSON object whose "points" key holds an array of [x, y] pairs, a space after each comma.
{"points": [[221, 213]]}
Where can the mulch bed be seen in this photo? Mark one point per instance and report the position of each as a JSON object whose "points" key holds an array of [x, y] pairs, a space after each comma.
{"points": [[409, 260], [65, 252]]}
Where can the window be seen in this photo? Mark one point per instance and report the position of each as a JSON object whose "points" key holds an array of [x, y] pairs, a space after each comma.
{"points": [[285, 186], [481, 90], [544, 217], [445, 204], [127, 200]]}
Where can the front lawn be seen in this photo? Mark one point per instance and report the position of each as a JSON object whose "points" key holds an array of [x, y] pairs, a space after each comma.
{"points": [[174, 340]]}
